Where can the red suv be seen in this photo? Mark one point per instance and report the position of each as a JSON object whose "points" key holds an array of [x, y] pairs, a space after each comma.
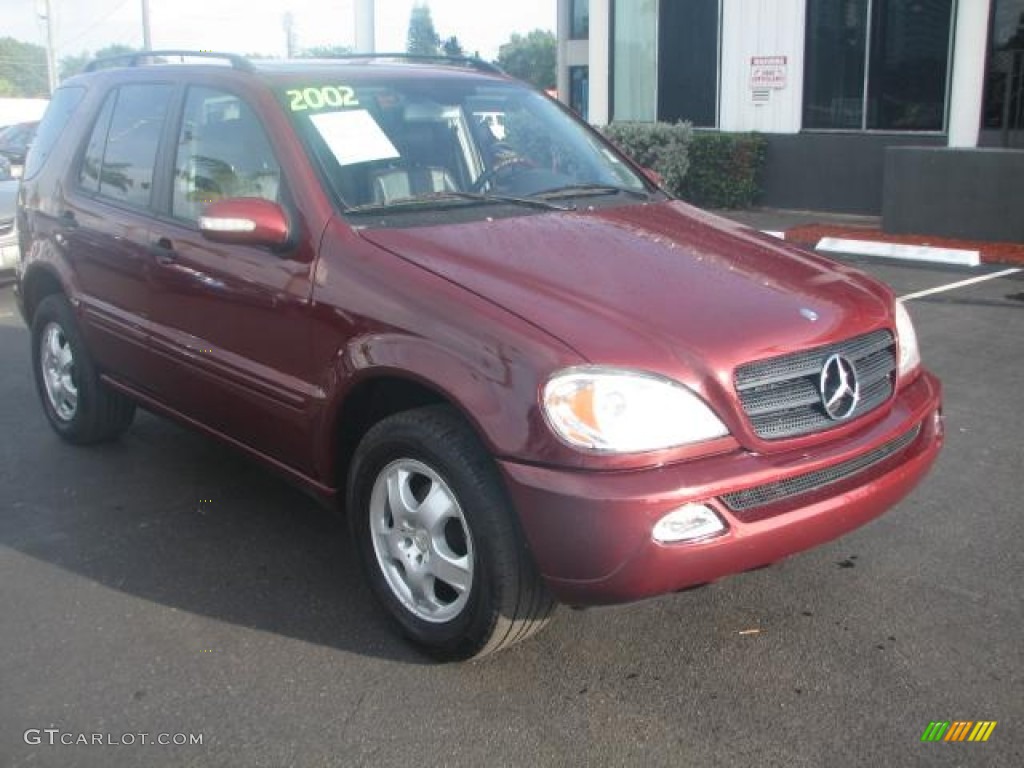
{"points": [[525, 372]]}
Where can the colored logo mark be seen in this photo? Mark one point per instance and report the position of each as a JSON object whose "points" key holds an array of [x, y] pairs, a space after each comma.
{"points": [[959, 730]]}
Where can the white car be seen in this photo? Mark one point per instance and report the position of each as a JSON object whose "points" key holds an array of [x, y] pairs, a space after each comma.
{"points": [[9, 253]]}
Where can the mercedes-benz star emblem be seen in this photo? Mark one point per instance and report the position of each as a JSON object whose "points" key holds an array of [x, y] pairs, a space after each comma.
{"points": [[839, 388]]}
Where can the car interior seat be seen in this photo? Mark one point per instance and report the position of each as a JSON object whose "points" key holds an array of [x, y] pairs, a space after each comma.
{"points": [[230, 158], [422, 145]]}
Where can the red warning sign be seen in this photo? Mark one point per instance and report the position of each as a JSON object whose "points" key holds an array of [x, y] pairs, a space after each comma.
{"points": [[768, 72]]}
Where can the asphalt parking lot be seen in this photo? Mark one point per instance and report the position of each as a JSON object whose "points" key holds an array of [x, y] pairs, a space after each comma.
{"points": [[164, 585]]}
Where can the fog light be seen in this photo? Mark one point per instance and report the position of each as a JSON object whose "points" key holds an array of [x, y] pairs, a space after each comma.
{"points": [[694, 521]]}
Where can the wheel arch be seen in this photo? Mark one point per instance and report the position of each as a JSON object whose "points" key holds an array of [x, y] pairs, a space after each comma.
{"points": [[374, 398], [38, 282]]}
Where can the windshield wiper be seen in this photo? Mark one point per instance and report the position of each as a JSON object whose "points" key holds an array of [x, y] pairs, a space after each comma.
{"points": [[531, 202], [445, 198], [586, 190]]}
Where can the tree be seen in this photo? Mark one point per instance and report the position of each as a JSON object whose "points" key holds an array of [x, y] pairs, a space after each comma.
{"points": [[423, 39], [531, 58], [23, 69], [452, 47], [324, 51], [73, 65]]}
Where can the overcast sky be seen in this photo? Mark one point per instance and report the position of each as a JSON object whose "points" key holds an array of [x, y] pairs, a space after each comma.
{"points": [[255, 26]]}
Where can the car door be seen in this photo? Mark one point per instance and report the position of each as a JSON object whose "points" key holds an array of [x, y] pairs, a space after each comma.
{"points": [[230, 322], [104, 225]]}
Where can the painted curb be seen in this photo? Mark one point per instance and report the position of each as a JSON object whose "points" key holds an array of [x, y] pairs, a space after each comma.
{"points": [[923, 253]]}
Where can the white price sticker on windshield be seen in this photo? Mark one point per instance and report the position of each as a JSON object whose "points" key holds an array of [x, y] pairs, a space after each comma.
{"points": [[354, 137]]}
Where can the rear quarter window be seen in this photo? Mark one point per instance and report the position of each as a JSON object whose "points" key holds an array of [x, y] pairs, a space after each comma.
{"points": [[58, 114]]}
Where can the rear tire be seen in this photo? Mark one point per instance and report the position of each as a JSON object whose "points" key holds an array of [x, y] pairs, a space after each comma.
{"points": [[80, 408], [438, 538]]}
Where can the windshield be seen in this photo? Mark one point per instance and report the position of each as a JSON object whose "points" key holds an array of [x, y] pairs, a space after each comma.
{"points": [[395, 145]]}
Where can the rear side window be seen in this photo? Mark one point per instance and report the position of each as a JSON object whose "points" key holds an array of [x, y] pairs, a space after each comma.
{"points": [[120, 158], [62, 106], [92, 161]]}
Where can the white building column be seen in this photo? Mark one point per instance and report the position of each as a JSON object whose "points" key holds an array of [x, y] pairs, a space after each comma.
{"points": [[600, 60], [365, 26], [970, 52]]}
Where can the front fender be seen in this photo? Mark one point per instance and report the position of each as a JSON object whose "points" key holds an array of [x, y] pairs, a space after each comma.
{"points": [[494, 389]]}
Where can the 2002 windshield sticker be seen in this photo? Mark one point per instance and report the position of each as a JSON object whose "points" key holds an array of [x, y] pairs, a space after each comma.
{"points": [[337, 97]]}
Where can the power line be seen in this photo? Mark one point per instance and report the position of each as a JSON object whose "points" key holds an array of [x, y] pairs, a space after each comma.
{"points": [[91, 27]]}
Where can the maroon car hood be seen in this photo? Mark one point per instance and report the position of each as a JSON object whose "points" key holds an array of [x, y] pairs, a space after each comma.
{"points": [[663, 287]]}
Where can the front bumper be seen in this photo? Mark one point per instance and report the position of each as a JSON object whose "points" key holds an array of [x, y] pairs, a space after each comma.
{"points": [[591, 533]]}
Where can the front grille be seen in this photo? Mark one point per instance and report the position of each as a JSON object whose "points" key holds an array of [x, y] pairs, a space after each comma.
{"points": [[781, 395], [782, 490]]}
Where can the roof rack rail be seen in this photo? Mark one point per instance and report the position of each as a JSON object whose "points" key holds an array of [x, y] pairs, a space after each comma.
{"points": [[137, 58], [473, 62]]}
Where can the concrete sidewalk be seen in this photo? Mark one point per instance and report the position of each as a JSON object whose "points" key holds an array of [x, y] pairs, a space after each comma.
{"points": [[777, 220], [863, 236]]}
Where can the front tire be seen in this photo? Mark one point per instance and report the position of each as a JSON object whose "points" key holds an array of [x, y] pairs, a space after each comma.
{"points": [[438, 538], [80, 408]]}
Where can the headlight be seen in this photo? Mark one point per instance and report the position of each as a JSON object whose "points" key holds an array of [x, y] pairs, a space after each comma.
{"points": [[906, 340], [621, 411]]}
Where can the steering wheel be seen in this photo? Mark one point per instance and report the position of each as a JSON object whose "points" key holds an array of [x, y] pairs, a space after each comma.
{"points": [[506, 158]]}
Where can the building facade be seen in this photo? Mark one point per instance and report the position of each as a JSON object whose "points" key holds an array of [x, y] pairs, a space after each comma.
{"points": [[833, 84]]}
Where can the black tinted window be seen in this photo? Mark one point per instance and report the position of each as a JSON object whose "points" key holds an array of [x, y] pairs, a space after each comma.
{"points": [[129, 157], [62, 106], [92, 161], [877, 65]]}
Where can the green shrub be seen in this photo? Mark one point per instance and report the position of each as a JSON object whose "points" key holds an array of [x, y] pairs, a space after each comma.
{"points": [[713, 170], [725, 170], [662, 147]]}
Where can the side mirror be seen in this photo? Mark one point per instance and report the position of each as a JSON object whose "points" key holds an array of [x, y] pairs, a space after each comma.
{"points": [[246, 221]]}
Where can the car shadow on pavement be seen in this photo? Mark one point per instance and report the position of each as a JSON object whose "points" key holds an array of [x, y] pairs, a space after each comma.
{"points": [[170, 516]]}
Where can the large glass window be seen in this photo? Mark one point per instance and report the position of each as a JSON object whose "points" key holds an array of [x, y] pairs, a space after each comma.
{"points": [[579, 19], [120, 160], [579, 91], [688, 62], [1004, 82], [635, 55], [421, 143], [877, 64]]}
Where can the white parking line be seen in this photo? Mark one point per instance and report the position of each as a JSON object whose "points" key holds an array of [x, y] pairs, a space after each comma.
{"points": [[960, 284], [5, 315]]}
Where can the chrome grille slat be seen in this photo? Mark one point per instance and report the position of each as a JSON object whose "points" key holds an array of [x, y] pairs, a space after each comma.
{"points": [[771, 493], [781, 397], [788, 394], [800, 421], [805, 363], [875, 367]]}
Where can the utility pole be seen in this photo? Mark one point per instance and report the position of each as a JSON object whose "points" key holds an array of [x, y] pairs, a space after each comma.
{"points": [[51, 47], [365, 26], [147, 36], [288, 22]]}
